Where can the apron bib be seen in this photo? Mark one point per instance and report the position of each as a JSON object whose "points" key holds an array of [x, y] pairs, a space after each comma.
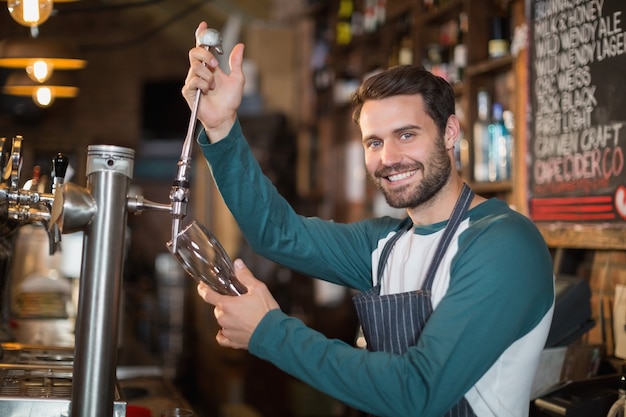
{"points": [[393, 322]]}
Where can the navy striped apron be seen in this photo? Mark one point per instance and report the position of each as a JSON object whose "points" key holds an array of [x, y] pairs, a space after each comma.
{"points": [[393, 322]]}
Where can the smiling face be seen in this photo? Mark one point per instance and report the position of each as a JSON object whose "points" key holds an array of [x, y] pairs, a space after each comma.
{"points": [[405, 153]]}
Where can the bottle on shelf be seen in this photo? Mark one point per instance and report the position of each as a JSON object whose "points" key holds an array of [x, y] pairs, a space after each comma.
{"points": [[461, 157], [460, 50], [344, 24], [500, 146], [405, 52], [498, 45], [430, 5], [481, 138]]}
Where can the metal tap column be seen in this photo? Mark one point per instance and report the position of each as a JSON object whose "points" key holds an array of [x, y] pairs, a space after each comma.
{"points": [[109, 171]]}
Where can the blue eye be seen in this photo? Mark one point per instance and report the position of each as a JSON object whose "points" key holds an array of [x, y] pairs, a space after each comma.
{"points": [[374, 143]]}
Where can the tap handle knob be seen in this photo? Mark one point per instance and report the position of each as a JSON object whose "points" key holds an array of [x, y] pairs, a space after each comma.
{"points": [[210, 38], [59, 166]]}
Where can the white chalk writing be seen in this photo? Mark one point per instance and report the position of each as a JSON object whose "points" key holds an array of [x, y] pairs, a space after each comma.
{"points": [[569, 37]]}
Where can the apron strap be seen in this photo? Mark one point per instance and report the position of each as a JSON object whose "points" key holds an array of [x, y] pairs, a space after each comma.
{"points": [[405, 226], [460, 208]]}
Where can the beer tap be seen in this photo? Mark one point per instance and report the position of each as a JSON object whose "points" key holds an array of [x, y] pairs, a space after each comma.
{"points": [[59, 168], [18, 204], [100, 210], [211, 40]]}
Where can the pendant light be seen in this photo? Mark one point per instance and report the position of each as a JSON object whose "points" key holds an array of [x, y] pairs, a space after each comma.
{"points": [[39, 56], [59, 85], [32, 13]]}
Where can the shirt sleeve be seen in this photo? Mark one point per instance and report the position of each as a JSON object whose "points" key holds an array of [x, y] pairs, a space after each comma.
{"points": [[500, 288], [498, 294], [335, 252]]}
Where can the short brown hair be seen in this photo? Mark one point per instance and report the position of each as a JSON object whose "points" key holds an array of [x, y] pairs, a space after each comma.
{"points": [[436, 92]]}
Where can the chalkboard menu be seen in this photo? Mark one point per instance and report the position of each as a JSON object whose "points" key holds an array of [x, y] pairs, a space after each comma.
{"points": [[577, 120]]}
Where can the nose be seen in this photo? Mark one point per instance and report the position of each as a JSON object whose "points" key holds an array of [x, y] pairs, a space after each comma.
{"points": [[391, 153]]}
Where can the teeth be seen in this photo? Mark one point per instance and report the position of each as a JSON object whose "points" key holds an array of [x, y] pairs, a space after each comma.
{"points": [[401, 176]]}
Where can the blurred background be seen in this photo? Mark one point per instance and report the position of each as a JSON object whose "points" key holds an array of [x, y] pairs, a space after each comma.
{"points": [[128, 61]]}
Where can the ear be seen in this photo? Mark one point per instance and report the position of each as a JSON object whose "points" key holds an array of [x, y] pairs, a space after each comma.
{"points": [[452, 133]]}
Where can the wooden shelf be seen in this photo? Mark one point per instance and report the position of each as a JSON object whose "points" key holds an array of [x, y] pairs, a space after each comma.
{"points": [[490, 66], [408, 22], [584, 236], [497, 187], [396, 9], [448, 11]]}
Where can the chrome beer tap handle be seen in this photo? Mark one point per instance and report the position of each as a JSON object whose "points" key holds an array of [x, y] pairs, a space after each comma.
{"points": [[11, 165], [20, 205], [5, 172], [59, 169], [14, 167], [211, 40]]}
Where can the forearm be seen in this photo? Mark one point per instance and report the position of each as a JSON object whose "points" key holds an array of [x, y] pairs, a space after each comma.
{"points": [[375, 382], [476, 322], [271, 226]]}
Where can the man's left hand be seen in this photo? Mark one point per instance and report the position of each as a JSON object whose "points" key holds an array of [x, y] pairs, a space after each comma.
{"points": [[239, 316]]}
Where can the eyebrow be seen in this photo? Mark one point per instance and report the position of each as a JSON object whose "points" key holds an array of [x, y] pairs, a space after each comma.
{"points": [[407, 127], [394, 131]]}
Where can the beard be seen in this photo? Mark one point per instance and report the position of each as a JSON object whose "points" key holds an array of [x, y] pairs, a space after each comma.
{"points": [[436, 173]]}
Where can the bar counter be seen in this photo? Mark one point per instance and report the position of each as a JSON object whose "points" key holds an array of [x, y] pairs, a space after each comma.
{"points": [[146, 387]]}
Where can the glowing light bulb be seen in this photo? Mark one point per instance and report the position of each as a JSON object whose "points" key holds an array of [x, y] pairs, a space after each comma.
{"points": [[43, 96], [30, 13], [40, 70]]}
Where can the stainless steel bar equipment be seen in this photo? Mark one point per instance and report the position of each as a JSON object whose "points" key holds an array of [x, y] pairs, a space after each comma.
{"points": [[179, 194], [100, 211], [109, 171], [18, 207]]}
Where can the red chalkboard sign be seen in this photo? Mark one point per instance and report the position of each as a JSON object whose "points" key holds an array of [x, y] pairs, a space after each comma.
{"points": [[577, 118]]}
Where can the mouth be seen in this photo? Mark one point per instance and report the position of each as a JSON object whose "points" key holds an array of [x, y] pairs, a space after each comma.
{"points": [[400, 176]]}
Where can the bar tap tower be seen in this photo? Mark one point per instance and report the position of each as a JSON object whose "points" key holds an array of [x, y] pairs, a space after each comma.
{"points": [[100, 211]]}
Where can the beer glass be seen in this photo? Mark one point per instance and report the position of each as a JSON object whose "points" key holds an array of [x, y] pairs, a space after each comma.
{"points": [[204, 259]]}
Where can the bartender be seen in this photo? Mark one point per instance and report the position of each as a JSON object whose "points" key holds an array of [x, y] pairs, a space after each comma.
{"points": [[455, 300]]}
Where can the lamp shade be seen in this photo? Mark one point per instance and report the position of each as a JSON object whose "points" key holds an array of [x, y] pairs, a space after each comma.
{"points": [[30, 13], [23, 52], [60, 85]]}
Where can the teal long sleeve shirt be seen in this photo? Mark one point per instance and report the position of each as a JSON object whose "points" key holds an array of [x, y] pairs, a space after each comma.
{"points": [[492, 312]]}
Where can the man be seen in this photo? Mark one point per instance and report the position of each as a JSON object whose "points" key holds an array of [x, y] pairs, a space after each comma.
{"points": [[456, 300]]}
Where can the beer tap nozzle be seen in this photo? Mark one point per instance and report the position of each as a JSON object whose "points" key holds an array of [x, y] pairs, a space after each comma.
{"points": [[210, 39]]}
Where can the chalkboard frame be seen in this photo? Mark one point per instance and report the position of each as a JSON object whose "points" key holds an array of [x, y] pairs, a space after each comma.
{"points": [[605, 235]]}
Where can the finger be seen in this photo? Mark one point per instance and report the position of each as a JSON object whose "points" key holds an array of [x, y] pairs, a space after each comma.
{"points": [[193, 83], [221, 339], [202, 58], [224, 341], [235, 60], [200, 76], [208, 295], [202, 289], [201, 27]]}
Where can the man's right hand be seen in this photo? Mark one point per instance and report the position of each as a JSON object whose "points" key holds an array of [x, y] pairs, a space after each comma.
{"points": [[221, 93]]}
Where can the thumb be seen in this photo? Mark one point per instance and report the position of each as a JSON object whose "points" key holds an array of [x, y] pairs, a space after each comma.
{"points": [[235, 61], [244, 275]]}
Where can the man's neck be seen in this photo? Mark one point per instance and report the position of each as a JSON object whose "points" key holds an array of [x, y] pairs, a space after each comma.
{"points": [[440, 207]]}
